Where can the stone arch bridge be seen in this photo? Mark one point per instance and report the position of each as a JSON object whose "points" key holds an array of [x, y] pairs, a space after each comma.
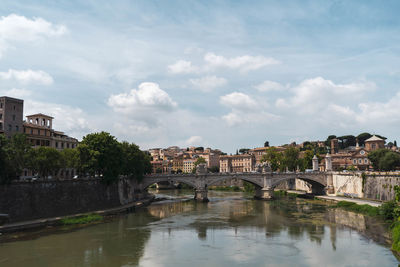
{"points": [[264, 182]]}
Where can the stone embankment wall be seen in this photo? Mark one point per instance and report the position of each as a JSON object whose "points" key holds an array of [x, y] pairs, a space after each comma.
{"points": [[372, 185], [43, 199]]}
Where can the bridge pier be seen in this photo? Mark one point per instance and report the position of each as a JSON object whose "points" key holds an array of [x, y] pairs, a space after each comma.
{"points": [[265, 193], [201, 195]]}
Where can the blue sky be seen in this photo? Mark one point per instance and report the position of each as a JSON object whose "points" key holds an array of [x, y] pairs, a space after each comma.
{"points": [[225, 74]]}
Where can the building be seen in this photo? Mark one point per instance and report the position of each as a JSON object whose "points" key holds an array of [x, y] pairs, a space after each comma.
{"points": [[258, 152], [39, 132], [374, 143], [177, 163], [237, 163], [11, 115], [353, 157], [188, 165]]}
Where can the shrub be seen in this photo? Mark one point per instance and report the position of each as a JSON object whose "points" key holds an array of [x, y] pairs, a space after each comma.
{"points": [[387, 210]]}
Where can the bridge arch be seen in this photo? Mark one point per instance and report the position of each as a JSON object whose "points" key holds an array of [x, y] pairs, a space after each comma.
{"points": [[255, 181], [318, 184], [149, 181]]}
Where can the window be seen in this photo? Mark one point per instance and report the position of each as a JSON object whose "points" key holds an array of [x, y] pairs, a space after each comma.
{"points": [[360, 161], [1, 116], [38, 142], [1, 126], [14, 107], [10, 127], [16, 128], [1, 104], [366, 161], [14, 117], [31, 131], [354, 161], [56, 144]]}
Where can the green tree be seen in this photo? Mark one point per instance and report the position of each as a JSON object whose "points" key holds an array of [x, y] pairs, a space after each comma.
{"points": [[134, 162], [362, 137], [273, 157], [200, 160], [7, 172], [18, 151], [346, 141], [306, 161], [291, 158], [328, 140], [45, 161], [375, 157], [384, 159], [70, 158], [390, 161], [244, 150], [103, 156]]}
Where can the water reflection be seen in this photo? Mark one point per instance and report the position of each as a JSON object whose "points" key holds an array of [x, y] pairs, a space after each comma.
{"points": [[230, 230]]}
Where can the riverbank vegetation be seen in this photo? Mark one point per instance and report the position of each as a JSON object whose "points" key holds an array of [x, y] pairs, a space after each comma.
{"points": [[85, 219], [98, 155], [388, 211]]}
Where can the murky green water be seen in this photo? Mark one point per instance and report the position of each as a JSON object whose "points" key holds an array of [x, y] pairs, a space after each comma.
{"points": [[230, 230]]}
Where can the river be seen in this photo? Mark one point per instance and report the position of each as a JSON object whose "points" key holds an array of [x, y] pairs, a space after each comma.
{"points": [[230, 230]]}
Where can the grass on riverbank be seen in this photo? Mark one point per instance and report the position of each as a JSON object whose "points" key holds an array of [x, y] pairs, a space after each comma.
{"points": [[364, 209], [85, 219], [281, 193]]}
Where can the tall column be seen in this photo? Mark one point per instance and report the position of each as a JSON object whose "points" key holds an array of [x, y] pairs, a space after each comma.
{"points": [[315, 165], [328, 162]]}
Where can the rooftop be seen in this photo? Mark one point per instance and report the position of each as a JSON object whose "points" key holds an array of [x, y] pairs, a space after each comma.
{"points": [[374, 138], [40, 115]]}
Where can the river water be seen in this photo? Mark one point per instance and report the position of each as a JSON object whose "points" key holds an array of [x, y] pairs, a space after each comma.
{"points": [[231, 230]]}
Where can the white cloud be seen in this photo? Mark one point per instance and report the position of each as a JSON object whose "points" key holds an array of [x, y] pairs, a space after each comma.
{"points": [[146, 103], [27, 76], [208, 83], [182, 66], [194, 141], [268, 86], [19, 28], [238, 100], [245, 110], [212, 61], [16, 93], [380, 112], [243, 63], [314, 95]]}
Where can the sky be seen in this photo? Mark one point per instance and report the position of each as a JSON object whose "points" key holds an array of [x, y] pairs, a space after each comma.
{"points": [[220, 74]]}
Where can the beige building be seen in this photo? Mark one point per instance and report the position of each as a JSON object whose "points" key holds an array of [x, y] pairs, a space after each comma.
{"points": [[39, 132], [188, 165], [237, 163]]}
